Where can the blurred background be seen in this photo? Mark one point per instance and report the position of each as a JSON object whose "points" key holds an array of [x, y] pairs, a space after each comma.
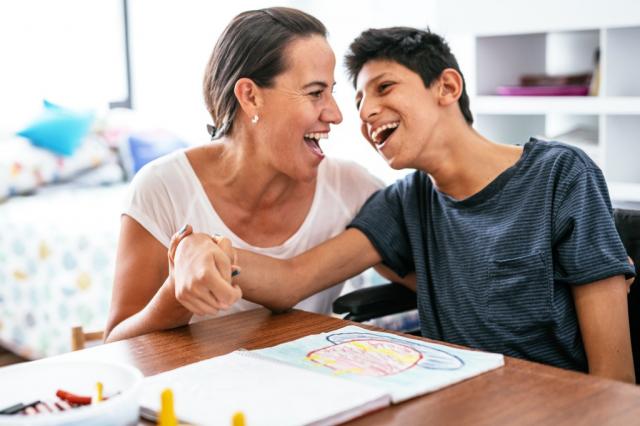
{"points": [[92, 90]]}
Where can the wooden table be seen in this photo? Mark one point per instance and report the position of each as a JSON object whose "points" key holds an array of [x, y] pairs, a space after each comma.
{"points": [[521, 393]]}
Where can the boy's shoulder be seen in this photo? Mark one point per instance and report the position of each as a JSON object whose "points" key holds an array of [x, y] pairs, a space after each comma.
{"points": [[560, 154]]}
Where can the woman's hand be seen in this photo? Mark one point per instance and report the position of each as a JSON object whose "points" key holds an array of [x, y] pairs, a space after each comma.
{"points": [[202, 271]]}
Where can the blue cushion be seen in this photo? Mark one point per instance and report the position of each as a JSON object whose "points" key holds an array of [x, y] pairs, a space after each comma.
{"points": [[58, 129], [147, 146]]}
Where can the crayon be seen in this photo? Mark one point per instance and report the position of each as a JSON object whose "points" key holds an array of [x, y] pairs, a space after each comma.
{"points": [[99, 396], [167, 414], [238, 419], [16, 408]]}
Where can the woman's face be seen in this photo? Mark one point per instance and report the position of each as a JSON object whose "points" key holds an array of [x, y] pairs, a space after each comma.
{"points": [[297, 111]]}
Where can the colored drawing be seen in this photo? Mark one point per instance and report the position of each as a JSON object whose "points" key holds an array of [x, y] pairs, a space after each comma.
{"points": [[369, 354], [403, 366]]}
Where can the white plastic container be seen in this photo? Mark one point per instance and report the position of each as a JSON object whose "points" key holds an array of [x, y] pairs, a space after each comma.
{"points": [[39, 380]]}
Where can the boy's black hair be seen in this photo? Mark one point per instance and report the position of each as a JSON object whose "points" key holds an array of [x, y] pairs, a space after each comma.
{"points": [[423, 52]]}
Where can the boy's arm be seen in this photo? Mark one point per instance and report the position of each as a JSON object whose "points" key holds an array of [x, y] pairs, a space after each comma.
{"points": [[601, 307], [408, 281], [281, 284], [275, 283]]}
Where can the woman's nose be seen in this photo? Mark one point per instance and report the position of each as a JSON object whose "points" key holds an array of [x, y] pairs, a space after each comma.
{"points": [[332, 113]]}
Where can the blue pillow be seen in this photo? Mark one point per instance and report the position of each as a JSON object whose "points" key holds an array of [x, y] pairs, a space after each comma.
{"points": [[58, 129], [147, 146]]}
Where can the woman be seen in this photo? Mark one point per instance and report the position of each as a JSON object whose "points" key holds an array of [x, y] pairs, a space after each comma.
{"points": [[265, 182]]}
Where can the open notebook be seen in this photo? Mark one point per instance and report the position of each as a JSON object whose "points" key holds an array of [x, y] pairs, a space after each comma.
{"points": [[327, 378]]}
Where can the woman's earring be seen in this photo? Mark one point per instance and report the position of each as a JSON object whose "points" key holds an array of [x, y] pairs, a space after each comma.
{"points": [[255, 119]]}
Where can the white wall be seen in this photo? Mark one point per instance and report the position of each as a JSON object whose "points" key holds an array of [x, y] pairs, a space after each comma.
{"points": [[68, 51], [487, 17]]}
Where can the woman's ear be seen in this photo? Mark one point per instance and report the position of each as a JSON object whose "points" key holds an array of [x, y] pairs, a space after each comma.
{"points": [[450, 87], [248, 95]]}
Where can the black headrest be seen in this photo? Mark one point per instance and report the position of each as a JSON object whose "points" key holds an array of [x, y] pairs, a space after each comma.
{"points": [[628, 226]]}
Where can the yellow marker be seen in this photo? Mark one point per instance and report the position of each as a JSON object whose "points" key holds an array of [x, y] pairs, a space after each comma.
{"points": [[238, 419], [167, 414], [98, 392]]}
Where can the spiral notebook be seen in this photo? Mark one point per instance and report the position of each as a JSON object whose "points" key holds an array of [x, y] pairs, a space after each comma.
{"points": [[321, 379]]}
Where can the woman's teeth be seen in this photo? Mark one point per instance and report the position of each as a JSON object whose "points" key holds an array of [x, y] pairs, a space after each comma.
{"points": [[312, 140], [316, 136]]}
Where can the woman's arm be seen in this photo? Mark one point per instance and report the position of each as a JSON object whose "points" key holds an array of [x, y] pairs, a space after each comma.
{"points": [[143, 297], [274, 283], [601, 307]]}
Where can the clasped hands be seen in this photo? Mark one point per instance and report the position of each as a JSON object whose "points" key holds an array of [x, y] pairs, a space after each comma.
{"points": [[202, 267]]}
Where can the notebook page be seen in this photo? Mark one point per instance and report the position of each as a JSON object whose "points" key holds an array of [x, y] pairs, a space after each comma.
{"points": [[267, 392]]}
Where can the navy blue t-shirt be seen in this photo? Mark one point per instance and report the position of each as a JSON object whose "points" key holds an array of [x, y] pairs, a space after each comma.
{"points": [[494, 270]]}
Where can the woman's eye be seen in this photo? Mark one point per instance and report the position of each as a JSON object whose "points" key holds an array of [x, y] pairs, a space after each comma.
{"points": [[316, 94]]}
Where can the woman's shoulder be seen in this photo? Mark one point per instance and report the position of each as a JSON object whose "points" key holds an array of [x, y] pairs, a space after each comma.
{"points": [[163, 169], [340, 172], [347, 183], [164, 164]]}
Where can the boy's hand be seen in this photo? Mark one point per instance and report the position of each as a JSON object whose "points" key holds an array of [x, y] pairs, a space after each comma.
{"points": [[202, 272]]}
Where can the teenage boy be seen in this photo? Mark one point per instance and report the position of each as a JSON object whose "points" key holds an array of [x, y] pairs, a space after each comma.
{"points": [[510, 249]]}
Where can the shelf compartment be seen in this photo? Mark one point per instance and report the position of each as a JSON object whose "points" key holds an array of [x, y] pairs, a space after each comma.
{"points": [[502, 60], [513, 129], [624, 191], [581, 131], [622, 61], [623, 148]]}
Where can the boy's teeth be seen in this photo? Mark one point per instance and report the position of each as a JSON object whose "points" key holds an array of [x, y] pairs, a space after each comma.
{"points": [[376, 132]]}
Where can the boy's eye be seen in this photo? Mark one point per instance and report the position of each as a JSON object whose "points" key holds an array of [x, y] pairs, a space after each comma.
{"points": [[384, 86]]}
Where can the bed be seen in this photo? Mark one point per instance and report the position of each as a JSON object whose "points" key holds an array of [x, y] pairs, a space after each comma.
{"points": [[61, 195], [57, 257]]}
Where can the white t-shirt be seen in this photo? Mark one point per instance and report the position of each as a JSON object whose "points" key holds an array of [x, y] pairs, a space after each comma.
{"points": [[166, 194]]}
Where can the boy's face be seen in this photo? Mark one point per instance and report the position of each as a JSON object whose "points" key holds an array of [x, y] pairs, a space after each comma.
{"points": [[398, 112]]}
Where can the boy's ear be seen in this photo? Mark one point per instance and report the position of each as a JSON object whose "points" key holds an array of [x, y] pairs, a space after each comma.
{"points": [[249, 96], [450, 86]]}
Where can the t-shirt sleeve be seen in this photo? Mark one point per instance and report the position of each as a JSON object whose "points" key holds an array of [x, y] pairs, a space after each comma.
{"points": [[149, 204], [381, 219], [587, 246]]}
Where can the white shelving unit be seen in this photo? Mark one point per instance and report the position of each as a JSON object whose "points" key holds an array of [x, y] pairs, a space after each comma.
{"points": [[609, 123]]}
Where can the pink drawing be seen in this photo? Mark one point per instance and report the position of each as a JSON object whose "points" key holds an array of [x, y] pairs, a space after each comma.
{"points": [[367, 357]]}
